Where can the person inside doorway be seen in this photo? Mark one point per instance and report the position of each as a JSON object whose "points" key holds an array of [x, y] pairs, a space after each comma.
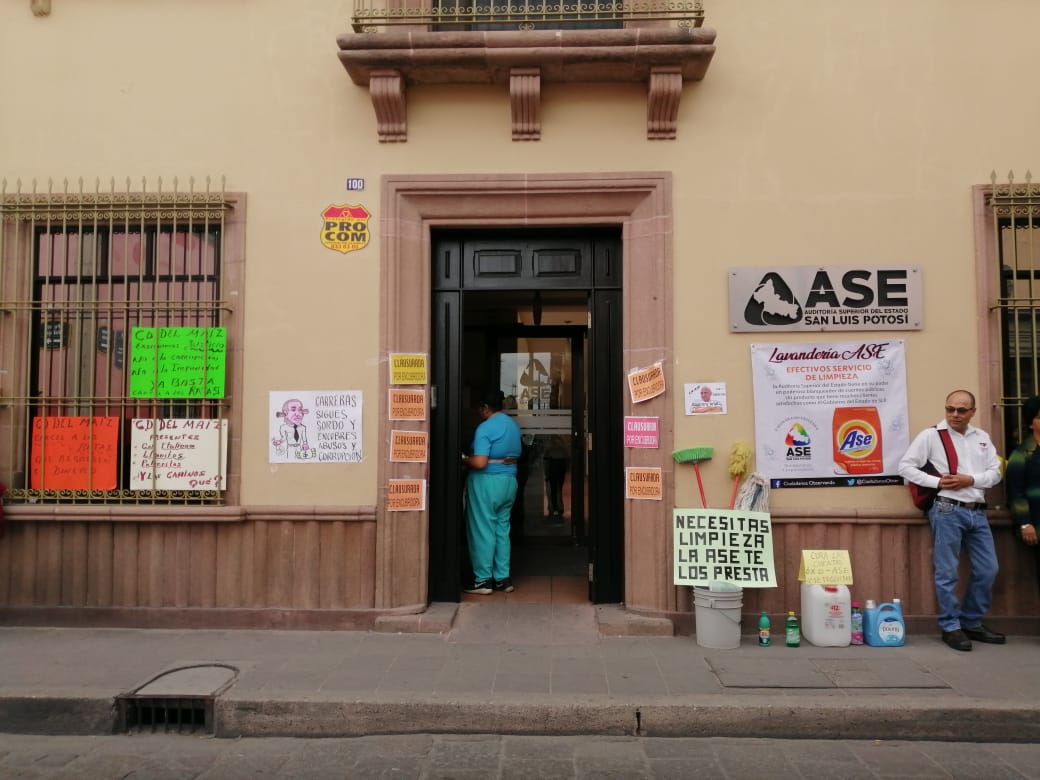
{"points": [[556, 457], [490, 493]]}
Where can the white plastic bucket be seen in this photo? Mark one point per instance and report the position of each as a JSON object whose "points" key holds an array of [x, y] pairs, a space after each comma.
{"points": [[718, 615]]}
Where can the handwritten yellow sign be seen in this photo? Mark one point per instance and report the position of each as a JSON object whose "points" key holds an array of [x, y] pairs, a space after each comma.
{"points": [[825, 567], [408, 369]]}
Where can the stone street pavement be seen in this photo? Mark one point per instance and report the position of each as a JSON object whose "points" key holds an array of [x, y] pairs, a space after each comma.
{"points": [[440, 757]]}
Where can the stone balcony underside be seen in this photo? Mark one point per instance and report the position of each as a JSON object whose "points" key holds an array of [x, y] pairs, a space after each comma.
{"points": [[660, 57]]}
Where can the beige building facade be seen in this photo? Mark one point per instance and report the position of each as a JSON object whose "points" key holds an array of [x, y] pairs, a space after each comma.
{"points": [[298, 200]]}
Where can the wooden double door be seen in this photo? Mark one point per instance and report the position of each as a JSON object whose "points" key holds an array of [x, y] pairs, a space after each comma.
{"points": [[537, 315]]}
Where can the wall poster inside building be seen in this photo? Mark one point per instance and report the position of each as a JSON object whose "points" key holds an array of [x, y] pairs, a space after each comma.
{"points": [[830, 414]]}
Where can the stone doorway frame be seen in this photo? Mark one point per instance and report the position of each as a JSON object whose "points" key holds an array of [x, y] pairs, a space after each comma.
{"points": [[641, 204]]}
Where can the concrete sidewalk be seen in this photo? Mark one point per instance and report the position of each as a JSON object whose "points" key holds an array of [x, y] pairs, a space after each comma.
{"points": [[520, 669]]}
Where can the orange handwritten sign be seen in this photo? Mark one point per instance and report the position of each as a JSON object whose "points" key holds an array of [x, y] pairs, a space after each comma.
{"points": [[74, 453], [407, 404], [408, 446], [406, 495], [646, 383], [643, 483]]}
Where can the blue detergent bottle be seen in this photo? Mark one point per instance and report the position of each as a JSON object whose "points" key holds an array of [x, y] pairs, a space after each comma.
{"points": [[885, 628]]}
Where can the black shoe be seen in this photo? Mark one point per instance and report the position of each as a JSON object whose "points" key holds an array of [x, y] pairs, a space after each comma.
{"points": [[482, 588], [982, 634], [505, 586], [957, 640]]}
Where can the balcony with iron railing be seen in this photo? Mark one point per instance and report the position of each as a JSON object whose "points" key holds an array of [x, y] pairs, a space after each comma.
{"points": [[457, 15], [411, 42]]}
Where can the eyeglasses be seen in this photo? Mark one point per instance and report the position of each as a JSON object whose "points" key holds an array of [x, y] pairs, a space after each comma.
{"points": [[959, 409]]}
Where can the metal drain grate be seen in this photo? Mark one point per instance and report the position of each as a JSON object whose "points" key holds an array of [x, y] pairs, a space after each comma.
{"points": [[182, 715]]}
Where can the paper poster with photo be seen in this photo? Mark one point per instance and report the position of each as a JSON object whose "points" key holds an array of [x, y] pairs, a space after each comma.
{"points": [[705, 398], [315, 426], [830, 414]]}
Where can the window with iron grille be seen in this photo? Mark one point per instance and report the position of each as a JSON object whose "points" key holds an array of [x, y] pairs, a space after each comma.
{"points": [[115, 345], [1015, 213]]}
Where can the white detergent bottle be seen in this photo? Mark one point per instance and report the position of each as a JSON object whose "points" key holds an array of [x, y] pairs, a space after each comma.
{"points": [[826, 615]]}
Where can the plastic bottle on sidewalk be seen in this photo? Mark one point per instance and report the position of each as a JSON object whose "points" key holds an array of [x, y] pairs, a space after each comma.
{"points": [[857, 624], [763, 630], [869, 620], [793, 632]]}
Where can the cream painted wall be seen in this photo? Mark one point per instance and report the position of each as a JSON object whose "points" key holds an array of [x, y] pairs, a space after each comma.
{"points": [[826, 131]]}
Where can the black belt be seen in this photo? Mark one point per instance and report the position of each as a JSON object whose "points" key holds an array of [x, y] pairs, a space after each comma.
{"points": [[965, 504]]}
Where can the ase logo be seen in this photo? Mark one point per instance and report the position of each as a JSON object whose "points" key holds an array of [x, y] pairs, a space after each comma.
{"points": [[345, 228], [772, 303], [798, 443]]}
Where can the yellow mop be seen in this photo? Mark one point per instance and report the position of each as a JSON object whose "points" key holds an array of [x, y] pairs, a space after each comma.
{"points": [[739, 464]]}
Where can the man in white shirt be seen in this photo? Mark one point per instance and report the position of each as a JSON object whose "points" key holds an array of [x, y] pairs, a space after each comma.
{"points": [[958, 518]]}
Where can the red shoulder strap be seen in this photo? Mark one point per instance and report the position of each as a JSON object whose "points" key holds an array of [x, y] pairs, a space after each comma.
{"points": [[951, 451]]}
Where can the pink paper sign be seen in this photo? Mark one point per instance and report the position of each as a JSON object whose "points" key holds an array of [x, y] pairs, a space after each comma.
{"points": [[643, 432]]}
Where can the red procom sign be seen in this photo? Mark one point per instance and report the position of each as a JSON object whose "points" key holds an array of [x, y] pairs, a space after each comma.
{"points": [[345, 228]]}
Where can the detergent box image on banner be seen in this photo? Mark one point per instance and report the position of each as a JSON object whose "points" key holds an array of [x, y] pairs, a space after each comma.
{"points": [[856, 436]]}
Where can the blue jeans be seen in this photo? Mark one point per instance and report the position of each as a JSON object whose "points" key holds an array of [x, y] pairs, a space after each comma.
{"points": [[956, 528]]}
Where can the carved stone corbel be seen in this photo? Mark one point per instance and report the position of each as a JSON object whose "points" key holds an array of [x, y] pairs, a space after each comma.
{"points": [[386, 88], [525, 99], [40, 7], [662, 102]]}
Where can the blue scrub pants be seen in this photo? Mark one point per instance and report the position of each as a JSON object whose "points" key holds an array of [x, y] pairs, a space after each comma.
{"points": [[489, 500]]}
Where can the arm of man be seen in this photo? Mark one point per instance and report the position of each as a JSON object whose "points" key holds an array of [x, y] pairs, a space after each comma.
{"points": [[916, 456]]}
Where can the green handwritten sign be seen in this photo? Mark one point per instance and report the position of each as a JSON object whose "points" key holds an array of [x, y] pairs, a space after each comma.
{"points": [[177, 362]]}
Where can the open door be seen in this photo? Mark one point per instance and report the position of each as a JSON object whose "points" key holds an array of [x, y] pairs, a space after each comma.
{"points": [[501, 320], [541, 371]]}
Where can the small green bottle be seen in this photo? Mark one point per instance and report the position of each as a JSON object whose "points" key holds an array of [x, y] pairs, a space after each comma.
{"points": [[794, 634], [763, 630]]}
